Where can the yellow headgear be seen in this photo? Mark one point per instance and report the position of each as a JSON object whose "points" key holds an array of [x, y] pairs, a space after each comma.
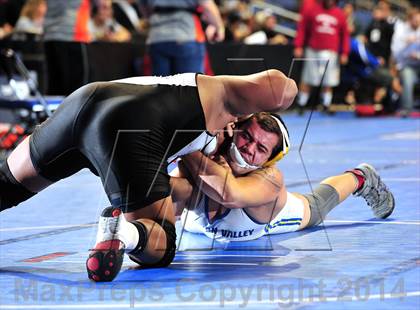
{"points": [[286, 141]]}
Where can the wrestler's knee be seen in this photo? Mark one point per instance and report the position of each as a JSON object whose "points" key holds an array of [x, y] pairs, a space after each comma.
{"points": [[170, 233], [169, 251]]}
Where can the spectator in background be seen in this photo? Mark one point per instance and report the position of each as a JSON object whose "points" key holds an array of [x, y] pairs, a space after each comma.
{"points": [[127, 14], [176, 38], [9, 13], [66, 21], [237, 19], [103, 26], [348, 10], [378, 38], [237, 27], [380, 31], [32, 17], [266, 22], [354, 24], [365, 68], [306, 5], [406, 52], [323, 32], [5, 30]]}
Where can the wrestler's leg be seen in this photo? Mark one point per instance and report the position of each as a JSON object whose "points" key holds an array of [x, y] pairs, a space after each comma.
{"points": [[19, 180], [147, 235], [23, 170], [327, 196], [46, 156], [362, 181], [131, 162], [23, 174], [158, 218]]}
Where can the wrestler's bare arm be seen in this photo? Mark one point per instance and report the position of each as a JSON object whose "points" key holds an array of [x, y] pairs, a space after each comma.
{"points": [[218, 182], [267, 91], [183, 190], [181, 187]]}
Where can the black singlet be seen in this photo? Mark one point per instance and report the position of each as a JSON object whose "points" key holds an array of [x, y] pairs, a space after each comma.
{"points": [[122, 132]]}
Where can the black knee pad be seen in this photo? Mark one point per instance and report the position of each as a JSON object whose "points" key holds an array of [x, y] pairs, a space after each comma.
{"points": [[169, 255], [11, 191], [143, 238], [170, 250]]}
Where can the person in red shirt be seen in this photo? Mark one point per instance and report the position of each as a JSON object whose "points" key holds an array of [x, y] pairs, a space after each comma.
{"points": [[306, 5], [323, 32]]}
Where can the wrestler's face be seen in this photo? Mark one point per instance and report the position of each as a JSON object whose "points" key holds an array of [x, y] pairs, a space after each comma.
{"points": [[254, 143]]}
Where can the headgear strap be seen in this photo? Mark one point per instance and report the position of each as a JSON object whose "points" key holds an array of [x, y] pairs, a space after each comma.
{"points": [[285, 145]]}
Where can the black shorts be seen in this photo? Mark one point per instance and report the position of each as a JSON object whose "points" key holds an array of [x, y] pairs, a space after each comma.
{"points": [[123, 133]]}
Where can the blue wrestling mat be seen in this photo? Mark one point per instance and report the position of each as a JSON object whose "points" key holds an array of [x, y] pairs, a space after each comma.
{"points": [[353, 261]]}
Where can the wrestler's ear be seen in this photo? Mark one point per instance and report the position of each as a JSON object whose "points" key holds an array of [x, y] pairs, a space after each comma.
{"points": [[229, 129]]}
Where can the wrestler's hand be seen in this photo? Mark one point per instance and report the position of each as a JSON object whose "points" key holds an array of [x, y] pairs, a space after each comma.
{"points": [[221, 137]]}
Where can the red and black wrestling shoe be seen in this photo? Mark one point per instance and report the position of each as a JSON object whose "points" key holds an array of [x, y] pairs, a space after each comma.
{"points": [[106, 258]]}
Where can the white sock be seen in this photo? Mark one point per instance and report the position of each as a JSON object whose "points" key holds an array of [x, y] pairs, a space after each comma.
{"points": [[117, 228], [303, 98], [130, 234], [326, 98]]}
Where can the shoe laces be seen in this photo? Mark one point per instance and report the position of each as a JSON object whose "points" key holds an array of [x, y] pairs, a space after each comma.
{"points": [[109, 224], [373, 195]]}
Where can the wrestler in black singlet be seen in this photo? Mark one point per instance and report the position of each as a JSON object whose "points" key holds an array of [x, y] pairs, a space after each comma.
{"points": [[122, 132]]}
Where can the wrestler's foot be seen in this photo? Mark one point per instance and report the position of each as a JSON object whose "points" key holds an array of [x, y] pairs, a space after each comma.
{"points": [[375, 192], [106, 258]]}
